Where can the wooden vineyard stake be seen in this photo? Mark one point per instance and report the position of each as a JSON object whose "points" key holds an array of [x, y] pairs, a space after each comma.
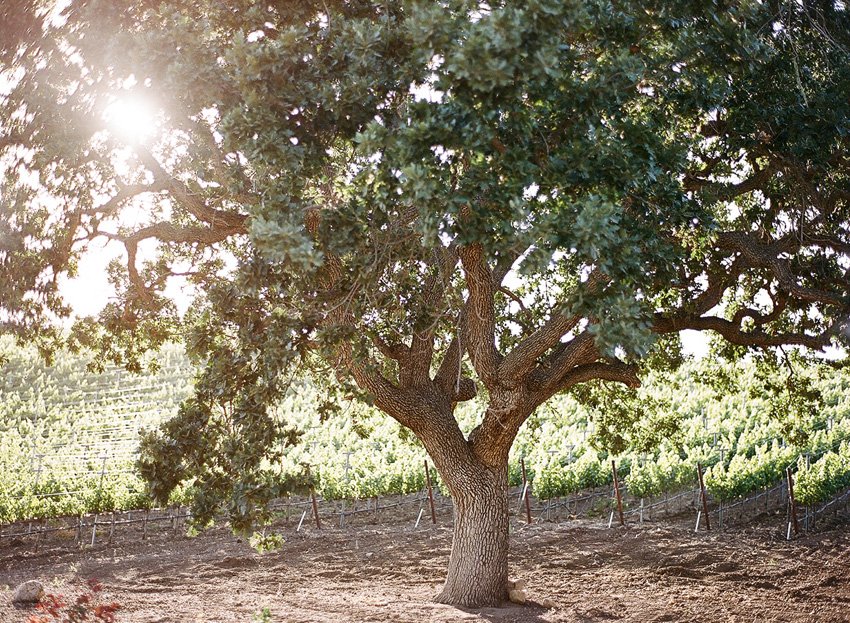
{"points": [[720, 502], [809, 513], [100, 498], [792, 503], [525, 491], [430, 494], [37, 479], [315, 508], [617, 493], [112, 528], [704, 499]]}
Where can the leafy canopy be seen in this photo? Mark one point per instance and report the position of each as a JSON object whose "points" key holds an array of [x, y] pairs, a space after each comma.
{"points": [[423, 200]]}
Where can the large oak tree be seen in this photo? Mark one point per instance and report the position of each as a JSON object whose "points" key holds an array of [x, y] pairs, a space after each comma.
{"points": [[432, 200]]}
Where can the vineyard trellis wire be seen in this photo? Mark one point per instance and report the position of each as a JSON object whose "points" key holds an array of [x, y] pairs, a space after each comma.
{"points": [[40, 461], [588, 505], [92, 453]]}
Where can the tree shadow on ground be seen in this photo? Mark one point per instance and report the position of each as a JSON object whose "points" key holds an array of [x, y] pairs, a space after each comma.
{"points": [[531, 612]]}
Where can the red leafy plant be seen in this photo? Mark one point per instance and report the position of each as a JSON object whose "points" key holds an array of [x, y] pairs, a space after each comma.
{"points": [[86, 607]]}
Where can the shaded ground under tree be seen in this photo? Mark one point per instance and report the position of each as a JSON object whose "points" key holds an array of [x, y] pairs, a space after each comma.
{"points": [[655, 573]]}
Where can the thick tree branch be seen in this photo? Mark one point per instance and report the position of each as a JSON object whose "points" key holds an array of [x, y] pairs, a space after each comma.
{"points": [[523, 358], [726, 192], [546, 377], [506, 261], [125, 193], [424, 409], [756, 253], [395, 351], [448, 375], [736, 335], [192, 203], [718, 282], [503, 419], [433, 307], [617, 372], [780, 303], [573, 362], [480, 315], [163, 232]]}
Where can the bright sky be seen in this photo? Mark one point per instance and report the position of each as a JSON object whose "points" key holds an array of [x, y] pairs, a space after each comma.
{"points": [[88, 293], [695, 343], [134, 121]]}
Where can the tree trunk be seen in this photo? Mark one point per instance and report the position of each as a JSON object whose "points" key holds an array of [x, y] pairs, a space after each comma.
{"points": [[478, 565]]}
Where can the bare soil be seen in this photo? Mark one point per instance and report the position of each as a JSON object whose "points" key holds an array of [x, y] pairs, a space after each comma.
{"points": [[657, 572]]}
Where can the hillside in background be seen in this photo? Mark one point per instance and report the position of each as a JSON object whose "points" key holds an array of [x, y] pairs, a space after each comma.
{"points": [[68, 436]]}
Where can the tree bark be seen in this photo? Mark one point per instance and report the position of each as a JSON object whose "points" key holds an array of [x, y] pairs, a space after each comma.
{"points": [[478, 566]]}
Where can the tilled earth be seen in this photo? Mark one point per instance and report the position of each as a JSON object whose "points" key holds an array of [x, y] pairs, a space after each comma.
{"points": [[657, 572]]}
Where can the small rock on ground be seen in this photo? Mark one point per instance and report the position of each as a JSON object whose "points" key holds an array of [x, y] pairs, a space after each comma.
{"points": [[28, 593], [516, 585], [517, 596]]}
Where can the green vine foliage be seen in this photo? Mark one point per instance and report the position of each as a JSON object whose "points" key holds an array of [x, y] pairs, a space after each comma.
{"points": [[830, 474], [359, 454]]}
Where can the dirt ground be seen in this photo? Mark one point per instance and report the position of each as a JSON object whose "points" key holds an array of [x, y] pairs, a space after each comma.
{"points": [[658, 572]]}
